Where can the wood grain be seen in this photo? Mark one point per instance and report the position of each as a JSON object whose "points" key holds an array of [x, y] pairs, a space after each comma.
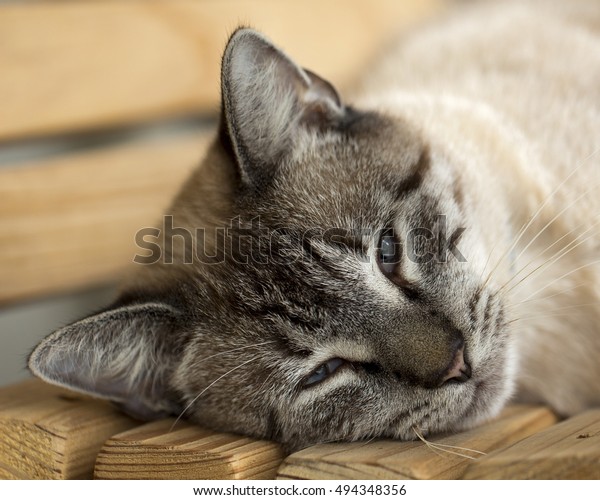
{"points": [[70, 222], [569, 450], [51, 433], [415, 460], [154, 451], [72, 65]]}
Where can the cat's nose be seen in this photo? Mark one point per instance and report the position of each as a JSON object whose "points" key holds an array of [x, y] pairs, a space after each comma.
{"points": [[430, 357], [458, 370]]}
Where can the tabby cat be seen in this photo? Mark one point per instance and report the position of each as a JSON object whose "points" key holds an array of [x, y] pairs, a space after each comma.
{"points": [[407, 263]]}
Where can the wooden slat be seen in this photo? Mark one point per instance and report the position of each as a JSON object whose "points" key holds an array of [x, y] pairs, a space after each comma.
{"points": [[569, 450], [414, 460], [71, 65], [70, 222], [154, 451], [50, 433]]}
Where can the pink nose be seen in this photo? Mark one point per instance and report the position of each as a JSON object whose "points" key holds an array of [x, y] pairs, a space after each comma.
{"points": [[458, 370]]}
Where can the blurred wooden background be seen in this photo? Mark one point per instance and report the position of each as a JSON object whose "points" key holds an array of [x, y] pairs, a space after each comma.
{"points": [[95, 75]]}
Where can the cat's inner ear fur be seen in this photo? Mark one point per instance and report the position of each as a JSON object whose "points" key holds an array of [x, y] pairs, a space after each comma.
{"points": [[125, 354], [267, 101]]}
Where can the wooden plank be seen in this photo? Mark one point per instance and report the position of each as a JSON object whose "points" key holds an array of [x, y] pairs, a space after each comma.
{"points": [[569, 450], [72, 65], [70, 222], [155, 451], [50, 433], [415, 460]]}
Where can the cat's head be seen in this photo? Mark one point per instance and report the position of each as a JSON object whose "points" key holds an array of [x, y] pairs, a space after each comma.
{"points": [[330, 295]]}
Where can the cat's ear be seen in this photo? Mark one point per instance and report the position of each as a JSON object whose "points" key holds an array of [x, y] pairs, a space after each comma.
{"points": [[124, 354], [266, 99]]}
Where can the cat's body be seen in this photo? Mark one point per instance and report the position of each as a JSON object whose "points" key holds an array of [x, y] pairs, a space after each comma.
{"points": [[487, 119]]}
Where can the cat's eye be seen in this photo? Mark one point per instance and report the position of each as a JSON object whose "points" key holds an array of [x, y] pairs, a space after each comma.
{"points": [[388, 252], [323, 371]]}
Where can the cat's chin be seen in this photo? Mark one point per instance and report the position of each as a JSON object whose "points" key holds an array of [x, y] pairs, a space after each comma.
{"points": [[482, 400], [465, 408], [488, 401]]}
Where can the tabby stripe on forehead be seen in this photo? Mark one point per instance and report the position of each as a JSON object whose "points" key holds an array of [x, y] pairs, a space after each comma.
{"points": [[414, 181]]}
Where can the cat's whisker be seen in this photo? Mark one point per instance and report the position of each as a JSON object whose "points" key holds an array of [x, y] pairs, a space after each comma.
{"points": [[562, 253], [566, 290], [540, 254], [543, 316], [245, 347], [548, 224], [564, 276], [189, 405], [461, 448], [446, 447], [545, 297], [517, 305], [427, 443], [485, 266], [528, 223], [575, 306], [516, 320], [507, 252], [551, 261]]}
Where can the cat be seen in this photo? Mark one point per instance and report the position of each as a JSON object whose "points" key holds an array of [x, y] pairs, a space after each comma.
{"points": [[408, 262]]}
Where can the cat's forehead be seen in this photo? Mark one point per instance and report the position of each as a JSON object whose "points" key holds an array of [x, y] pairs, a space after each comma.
{"points": [[353, 176]]}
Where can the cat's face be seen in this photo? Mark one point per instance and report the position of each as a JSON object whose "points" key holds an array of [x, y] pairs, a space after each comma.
{"points": [[341, 303]]}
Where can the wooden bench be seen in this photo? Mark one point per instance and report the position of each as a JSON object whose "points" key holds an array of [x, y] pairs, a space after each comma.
{"points": [[85, 86], [46, 432]]}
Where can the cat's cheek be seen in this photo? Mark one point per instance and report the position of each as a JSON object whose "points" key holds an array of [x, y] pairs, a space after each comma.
{"points": [[345, 408]]}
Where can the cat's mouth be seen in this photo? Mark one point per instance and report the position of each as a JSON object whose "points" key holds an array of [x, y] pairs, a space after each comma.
{"points": [[490, 390]]}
